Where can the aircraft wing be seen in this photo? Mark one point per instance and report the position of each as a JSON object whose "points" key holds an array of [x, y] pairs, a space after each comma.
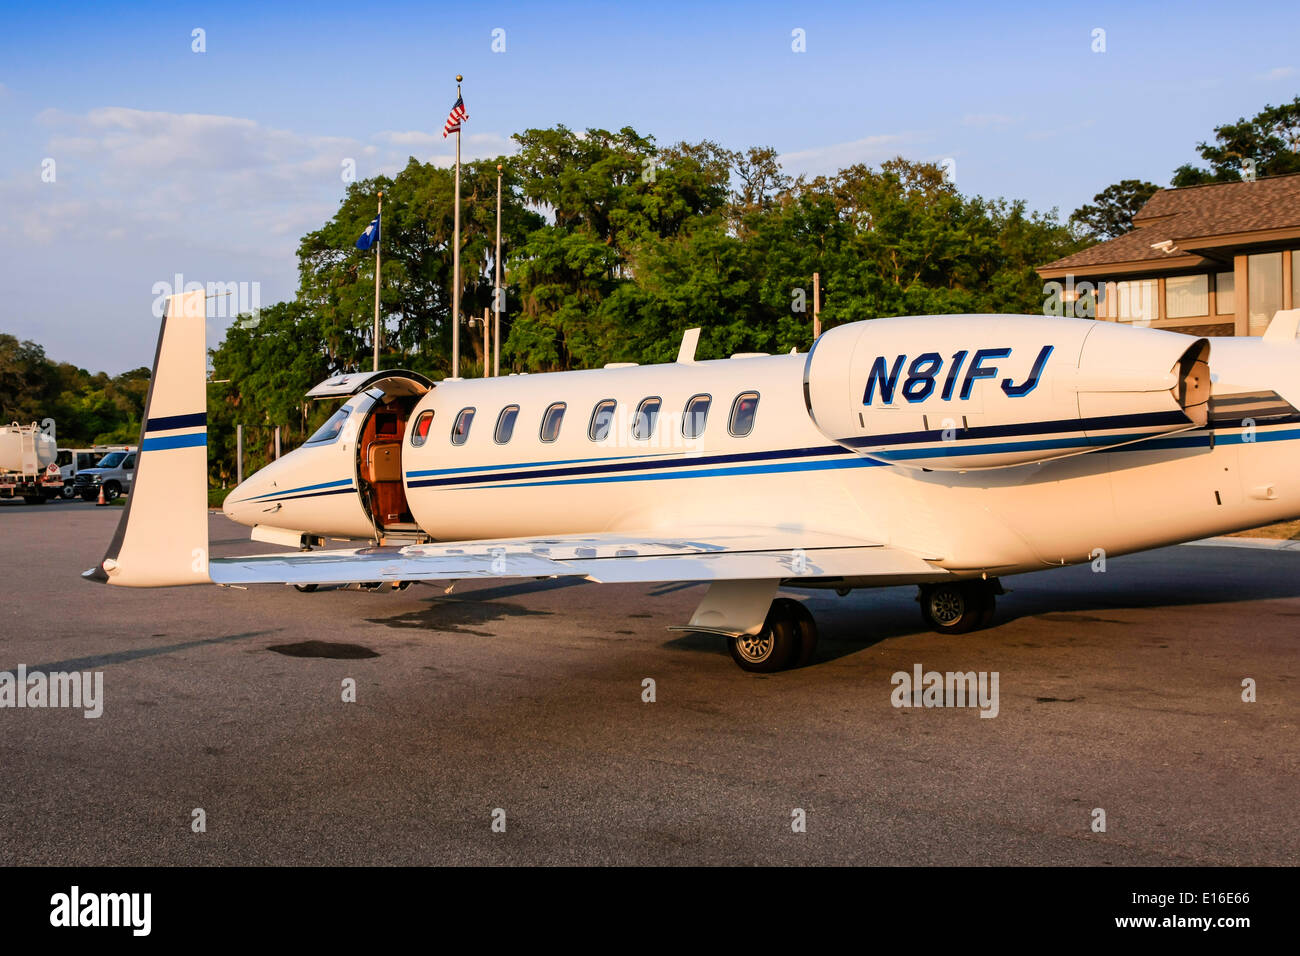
{"points": [[727, 554]]}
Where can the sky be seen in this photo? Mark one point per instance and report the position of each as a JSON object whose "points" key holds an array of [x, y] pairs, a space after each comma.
{"points": [[128, 158]]}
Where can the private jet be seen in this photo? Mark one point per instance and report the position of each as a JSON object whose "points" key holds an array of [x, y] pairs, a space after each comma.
{"points": [[941, 452]]}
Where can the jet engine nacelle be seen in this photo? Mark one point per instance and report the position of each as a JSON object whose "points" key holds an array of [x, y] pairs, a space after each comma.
{"points": [[957, 393]]}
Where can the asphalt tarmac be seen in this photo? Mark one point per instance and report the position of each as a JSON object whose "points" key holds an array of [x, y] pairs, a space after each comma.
{"points": [[522, 703]]}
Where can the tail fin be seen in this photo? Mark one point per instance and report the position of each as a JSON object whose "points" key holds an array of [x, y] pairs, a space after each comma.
{"points": [[162, 538]]}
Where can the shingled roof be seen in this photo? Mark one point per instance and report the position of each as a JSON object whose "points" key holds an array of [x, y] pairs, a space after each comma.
{"points": [[1194, 218]]}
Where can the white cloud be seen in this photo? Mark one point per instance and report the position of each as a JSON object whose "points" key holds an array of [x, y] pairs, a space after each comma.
{"points": [[871, 150], [1277, 73], [983, 120]]}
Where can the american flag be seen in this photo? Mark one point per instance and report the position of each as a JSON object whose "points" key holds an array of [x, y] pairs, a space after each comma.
{"points": [[457, 116]]}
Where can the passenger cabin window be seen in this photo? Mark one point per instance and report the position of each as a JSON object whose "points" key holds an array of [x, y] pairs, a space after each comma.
{"points": [[742, 414], [602, 417], [460, 431], [551, 422], [420, 433], [506, 424], [647, 413], [129, 463], [696, 414]]}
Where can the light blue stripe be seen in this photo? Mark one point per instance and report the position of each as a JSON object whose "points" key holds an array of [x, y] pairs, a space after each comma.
{"points": [[699, 473], [292, 491], [528, 464], [198, 439]]}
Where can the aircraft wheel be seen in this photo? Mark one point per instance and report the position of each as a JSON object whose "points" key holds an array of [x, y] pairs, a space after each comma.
{"points": [[780, 643], [305, 588], [805, 627], [957, 608]]}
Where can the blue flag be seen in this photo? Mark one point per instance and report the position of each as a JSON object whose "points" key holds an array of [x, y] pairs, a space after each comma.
{"points": [[370, 236]]}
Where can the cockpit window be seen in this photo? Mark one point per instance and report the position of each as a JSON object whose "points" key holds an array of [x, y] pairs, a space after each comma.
{"points": [[460, 432], [331, 429], [420, 431]]}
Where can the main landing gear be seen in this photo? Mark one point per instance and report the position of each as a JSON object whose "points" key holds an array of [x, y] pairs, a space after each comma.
{"points": [[960, 606], [788, 639]]}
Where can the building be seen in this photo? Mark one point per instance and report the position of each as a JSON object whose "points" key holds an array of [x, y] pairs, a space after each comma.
{"points": [[1218, 259]]}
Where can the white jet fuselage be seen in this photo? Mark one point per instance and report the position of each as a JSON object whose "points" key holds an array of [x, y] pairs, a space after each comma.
{"points": [[982, 444]]}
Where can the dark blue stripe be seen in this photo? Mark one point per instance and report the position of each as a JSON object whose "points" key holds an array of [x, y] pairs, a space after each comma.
{"points": [[777, 468], [168, 422], [1101, 423], [175, 441], [631, 466], [291, 491]]}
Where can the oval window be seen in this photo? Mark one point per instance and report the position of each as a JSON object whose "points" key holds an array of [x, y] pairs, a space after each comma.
{"points": [[647, 414], [742, 414], [602, 417], [420, 431], [551, 422], [506, 424], [695, 416], [460, 431]]}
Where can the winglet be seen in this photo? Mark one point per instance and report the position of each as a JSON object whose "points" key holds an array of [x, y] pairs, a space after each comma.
{"points": [[162, 537], [690, 341]]}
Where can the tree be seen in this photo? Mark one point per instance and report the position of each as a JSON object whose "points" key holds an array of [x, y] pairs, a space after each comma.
{"points": [[1112, 210], [1271, 139]]}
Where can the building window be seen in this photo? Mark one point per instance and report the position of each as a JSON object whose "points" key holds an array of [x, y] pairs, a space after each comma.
{"points": [[602, 416], [460, 431], [420, 433], [1225, 299], [1135, 300], [506, 424], [647, 413], [1295, 278], [551, 422], [1186, 296], [1264, 296], [742, 414], [696, 414]]}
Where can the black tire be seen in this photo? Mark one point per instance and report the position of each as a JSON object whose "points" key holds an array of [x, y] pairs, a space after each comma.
{"points": [[112, 491], [67, 493], [772, 648], [305, 588], [957, 608], [805, 628]]}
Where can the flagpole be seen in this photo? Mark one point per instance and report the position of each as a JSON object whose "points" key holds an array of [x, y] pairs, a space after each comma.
{"points": [[497, 295], [455, 256], [378, 234]]}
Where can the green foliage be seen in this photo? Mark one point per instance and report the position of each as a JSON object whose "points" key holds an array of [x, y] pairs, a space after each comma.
{"points": [[1271, 138], [87, 409], [1112, 210]]}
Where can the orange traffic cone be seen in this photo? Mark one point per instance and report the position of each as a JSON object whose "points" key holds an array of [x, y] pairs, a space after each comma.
{"points": [[101, 500]]}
